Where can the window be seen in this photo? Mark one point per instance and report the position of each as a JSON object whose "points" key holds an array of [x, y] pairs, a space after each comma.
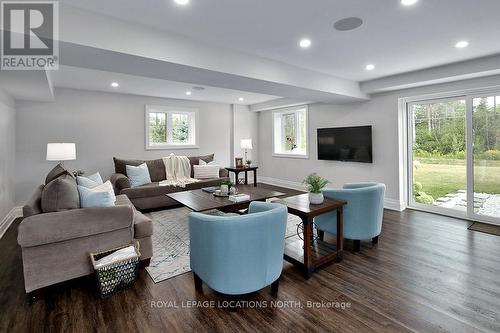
{"points": [[291, 132], [170, 128]]}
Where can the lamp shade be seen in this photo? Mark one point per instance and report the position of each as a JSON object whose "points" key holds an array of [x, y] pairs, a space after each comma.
{"points": [[246, 144], [61, 151]]}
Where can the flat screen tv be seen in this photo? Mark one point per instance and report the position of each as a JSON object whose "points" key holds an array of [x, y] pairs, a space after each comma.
{"points": [[350, 144]]}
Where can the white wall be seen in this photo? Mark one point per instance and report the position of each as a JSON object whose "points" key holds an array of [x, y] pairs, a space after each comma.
{"points": [[381, 112], [103, 125], [245, 124], [7, 154]]}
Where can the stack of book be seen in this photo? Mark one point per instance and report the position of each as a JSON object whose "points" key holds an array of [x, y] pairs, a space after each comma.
{"points": [[239, 197]]}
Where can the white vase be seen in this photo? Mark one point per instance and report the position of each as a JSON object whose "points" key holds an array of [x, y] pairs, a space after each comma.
{"points": [[224, 189], [316, 198]]}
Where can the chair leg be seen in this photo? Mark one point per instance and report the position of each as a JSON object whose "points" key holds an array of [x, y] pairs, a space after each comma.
{"points": [[375, 240], [274, 287], [356, 245], [198, 283], [321, 235]]}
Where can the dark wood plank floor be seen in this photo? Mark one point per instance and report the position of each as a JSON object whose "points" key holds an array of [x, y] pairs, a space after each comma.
{"points": [[427, 274]]}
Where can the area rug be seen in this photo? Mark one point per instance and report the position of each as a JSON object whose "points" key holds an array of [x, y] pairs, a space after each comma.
{"points": [[486, 228], [171, 242]]}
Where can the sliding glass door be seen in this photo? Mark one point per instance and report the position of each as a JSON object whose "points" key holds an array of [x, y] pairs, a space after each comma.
{"points": [[486, 156], [454, 156]]}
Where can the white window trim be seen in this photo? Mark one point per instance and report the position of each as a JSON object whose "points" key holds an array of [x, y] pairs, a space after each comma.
{"points": [[406, 161], [290, 110], [163, 108]]}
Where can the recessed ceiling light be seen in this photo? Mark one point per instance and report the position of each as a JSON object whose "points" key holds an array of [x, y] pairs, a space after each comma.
{"points": [[462, 44], [370, 67], [114, 84], [241, 99], [305, 43], [188, 93], [182, 2], [408, 2]]}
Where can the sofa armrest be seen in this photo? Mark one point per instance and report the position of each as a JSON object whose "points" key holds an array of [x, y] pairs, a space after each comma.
{"points": [[120, 182], [76, 223], [223, 173]]}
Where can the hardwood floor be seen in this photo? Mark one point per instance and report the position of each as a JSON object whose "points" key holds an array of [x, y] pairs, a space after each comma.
{"points": [[428, 273]]}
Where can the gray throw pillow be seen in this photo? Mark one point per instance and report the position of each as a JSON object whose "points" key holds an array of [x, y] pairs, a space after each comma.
{"points": [[57, 171], [60, 194]]}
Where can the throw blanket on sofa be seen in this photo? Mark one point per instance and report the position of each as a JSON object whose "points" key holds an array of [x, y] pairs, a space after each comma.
{"points": [[178, 169]]}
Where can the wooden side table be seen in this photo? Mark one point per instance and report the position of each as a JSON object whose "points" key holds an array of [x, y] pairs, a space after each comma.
{"points": [[245, 170], [308, 252]]}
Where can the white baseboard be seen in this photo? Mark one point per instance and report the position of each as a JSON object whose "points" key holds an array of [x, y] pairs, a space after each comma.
{"points": [[11, 216], [390, 204]]}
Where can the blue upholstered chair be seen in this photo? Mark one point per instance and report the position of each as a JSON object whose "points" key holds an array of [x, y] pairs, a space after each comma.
{"points": [[236, 255], [362, 215]]}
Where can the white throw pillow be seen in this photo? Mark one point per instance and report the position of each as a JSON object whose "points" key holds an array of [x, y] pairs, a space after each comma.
{"points": [[99, 196], [206, 171], [202, 162]]}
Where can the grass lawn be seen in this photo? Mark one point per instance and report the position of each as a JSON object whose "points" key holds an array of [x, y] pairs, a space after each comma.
{"points": [[449, 176]]}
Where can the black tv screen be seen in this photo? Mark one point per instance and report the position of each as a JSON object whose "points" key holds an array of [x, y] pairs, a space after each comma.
{"points": [[351, 144]]}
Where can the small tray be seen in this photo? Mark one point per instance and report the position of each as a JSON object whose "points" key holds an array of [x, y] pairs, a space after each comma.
{"points": [[221, 195]]}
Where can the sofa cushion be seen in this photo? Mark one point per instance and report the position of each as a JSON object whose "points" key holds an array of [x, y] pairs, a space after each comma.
{"points": [[195, 160], [60, 194], [154, 189], [156, 167], [57, 171], [34, 204], [143, 226]]}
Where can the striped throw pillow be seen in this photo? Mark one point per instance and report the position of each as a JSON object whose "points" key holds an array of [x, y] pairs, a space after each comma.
{"points": [[206, 171]]}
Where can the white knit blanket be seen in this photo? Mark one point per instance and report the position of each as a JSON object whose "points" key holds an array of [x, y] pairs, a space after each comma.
{"points": [[178, 171]]}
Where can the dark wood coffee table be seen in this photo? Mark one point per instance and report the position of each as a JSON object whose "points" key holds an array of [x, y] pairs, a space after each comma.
{"points": [[199, 200], [310, 253]]}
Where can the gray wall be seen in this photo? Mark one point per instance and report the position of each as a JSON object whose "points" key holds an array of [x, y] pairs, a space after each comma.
{"points": [[381, 112], [7, 154], [103, 125]]}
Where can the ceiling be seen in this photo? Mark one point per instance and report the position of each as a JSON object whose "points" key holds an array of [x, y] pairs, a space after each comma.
{"points": [[89, 79], [395, 38]]}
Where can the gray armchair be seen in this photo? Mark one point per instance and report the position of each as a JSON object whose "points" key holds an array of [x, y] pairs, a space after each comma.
{"points": [[56, 246]]}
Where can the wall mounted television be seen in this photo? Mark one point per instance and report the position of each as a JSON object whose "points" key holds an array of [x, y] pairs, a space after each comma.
{"points": [[349, 144]]}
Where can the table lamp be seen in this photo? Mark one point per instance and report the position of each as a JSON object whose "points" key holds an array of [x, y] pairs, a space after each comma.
{"points": [[61, 152], [246, 144]]}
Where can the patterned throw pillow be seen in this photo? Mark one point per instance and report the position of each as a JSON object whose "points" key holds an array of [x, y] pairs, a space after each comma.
{"points": [[206, 171], [138, 175], [90, 181], [99, 196]]}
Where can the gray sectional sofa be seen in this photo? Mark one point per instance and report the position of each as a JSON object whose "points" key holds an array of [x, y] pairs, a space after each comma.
{"points": [[152, 196], [56, 236]]}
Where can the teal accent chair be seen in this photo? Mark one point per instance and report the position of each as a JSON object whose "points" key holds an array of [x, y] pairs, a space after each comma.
{"points": [[363, 213], [237, 255]]}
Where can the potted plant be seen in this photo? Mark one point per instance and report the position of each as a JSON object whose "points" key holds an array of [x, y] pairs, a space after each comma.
{"points": [[315, 184], [226, 186], [249, 162]]}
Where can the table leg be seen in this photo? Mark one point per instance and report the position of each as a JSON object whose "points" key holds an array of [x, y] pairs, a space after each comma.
{"points": [[246, 177], [308, 263], [340, 233], [236, 174], [255, 178]]}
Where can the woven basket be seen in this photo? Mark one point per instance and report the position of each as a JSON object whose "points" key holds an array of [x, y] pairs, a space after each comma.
{"points": [[117, 275]]}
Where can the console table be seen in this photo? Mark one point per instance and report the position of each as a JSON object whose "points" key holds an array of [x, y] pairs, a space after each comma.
{"points": [[244, 169]]}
